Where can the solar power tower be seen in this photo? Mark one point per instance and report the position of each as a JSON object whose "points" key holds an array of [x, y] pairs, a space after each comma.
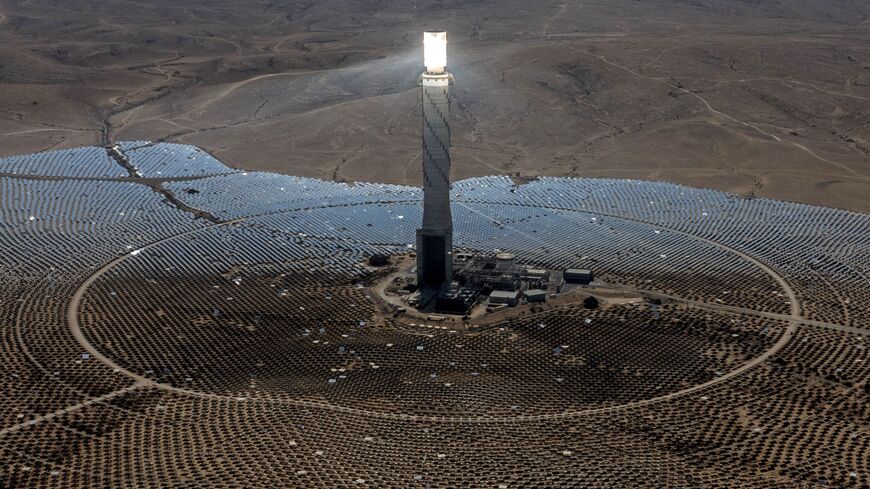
{"points": [[435, 238]]}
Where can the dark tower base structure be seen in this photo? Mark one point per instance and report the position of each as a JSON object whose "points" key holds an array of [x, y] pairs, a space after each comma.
{"points": [[434, 259], [435, 237]]}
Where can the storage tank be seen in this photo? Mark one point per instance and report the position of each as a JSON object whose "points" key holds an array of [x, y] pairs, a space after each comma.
{"points": [[504, 261]]}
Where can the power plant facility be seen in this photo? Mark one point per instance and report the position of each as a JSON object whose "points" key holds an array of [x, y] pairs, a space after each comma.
{"points": [[444, 284]]}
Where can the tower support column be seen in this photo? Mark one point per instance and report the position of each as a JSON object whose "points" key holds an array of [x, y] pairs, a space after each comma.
{"points": [[435, 238]]}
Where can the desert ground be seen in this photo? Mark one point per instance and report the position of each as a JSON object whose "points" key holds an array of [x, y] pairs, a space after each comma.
{"points": [[757, 97]]}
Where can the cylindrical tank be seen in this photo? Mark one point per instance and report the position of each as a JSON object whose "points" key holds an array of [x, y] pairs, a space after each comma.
{"points": [[504, 261]]}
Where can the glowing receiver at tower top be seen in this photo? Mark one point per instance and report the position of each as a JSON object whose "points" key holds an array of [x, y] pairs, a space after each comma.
{"points": [[435, 52]]}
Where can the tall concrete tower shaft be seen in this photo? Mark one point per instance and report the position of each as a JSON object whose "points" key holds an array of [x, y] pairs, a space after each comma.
{"points": [[435, 238]]}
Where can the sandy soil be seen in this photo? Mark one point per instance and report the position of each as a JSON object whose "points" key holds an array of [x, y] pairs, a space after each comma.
{"points": [[762, 98]]}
